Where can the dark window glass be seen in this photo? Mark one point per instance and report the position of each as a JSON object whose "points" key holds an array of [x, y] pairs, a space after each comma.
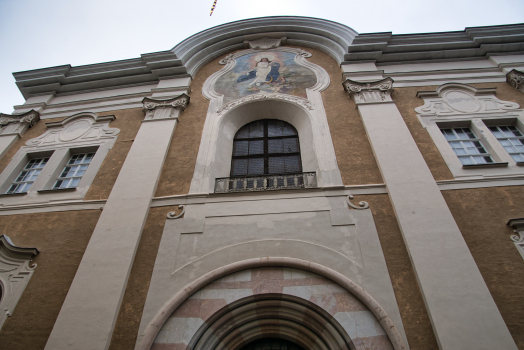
{"points": [[267, 146]]}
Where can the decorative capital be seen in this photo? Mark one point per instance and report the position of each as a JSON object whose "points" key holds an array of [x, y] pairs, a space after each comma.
{"points": [[377, 91], [516, 79], [28, 118], [164, 109], [265, 43]]}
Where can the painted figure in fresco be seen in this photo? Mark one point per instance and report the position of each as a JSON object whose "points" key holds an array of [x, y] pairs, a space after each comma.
{"points": [[265, 71]]}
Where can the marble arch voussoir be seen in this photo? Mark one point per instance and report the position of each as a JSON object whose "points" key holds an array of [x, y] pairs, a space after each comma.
{"points": [[195, 303]]}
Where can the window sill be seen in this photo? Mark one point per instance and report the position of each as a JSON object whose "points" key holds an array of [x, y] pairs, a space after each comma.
{"points": [[488, 165], [53, 190], [14, 194]]}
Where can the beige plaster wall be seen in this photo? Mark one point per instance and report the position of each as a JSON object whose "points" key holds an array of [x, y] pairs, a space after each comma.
{"points": [[128, 121], [38, 129], [181, 157], [481, 215], [411, 305], [61, 238], [355, 157], [406, 100], [128, 321], [414, 316]]}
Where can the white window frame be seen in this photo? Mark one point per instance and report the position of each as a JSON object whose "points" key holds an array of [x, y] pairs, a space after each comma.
{"points": [[459, 105], [516, 123], [81, 133]]}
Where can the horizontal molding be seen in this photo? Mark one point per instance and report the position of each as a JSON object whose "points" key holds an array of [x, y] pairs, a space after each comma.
{"points": [[267, 195], [52, 207], [336, 39], [461, 184]]}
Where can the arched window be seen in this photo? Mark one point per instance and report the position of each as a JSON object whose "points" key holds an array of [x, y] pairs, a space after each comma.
{"points": [[266, 146]]}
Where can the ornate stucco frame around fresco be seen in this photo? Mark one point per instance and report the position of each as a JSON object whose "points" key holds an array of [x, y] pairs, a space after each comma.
{"points": [[295, 96]]}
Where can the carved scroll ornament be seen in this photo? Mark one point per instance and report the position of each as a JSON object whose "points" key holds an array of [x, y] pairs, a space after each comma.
{"points": [[378, 91], [30, 118], [516, 79], [362, 204], [174, 215], [164, 109]]}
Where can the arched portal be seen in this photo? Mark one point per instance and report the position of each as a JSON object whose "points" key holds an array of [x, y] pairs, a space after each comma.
{"points": [[268, 318], [271, 344], [291, 304]]}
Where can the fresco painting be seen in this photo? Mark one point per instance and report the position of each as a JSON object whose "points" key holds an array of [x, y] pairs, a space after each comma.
{"points": [[265, 72]]}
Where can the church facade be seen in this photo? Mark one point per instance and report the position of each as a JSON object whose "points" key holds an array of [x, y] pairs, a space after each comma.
{"points": [[272, 183]]}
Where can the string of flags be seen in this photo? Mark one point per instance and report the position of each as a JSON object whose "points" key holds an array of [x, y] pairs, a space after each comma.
{"points": [[213, 8]]}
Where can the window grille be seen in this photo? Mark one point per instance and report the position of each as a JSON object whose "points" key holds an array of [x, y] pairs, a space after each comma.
{"points": [[511, 139], [28, 175], [73, 171], [267, 146], [466, 146]]}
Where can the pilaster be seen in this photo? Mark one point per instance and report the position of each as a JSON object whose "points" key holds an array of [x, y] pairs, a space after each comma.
{"points": [[448, 277], [88, 315], [12, 126]]}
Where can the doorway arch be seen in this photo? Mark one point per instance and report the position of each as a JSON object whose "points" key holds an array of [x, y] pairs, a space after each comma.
{"points": [[274, 316]]}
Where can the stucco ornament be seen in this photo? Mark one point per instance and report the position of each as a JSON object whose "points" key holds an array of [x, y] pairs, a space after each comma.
{"points": [[516, 79], [378, 91], [164, 109], [19, 122], [362, 204], [265, 43], [454, 99], [15, 271], [77, 129], [518, 225], [30, 118], [297, 100], [174, 215]]}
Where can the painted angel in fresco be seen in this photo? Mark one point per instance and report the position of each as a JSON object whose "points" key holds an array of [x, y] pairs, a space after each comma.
{"points": [[265, 71]]}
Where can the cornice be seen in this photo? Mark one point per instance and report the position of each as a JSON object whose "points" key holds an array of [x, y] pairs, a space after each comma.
{"points": [[339, 41]]}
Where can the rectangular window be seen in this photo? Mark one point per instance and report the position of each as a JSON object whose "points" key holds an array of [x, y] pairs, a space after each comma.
{"points": [[466, 146], [74, 170], [511, 139], [28, 175]]}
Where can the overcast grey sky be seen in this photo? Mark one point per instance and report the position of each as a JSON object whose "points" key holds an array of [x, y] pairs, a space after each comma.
{"points": [[44, 33]]}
